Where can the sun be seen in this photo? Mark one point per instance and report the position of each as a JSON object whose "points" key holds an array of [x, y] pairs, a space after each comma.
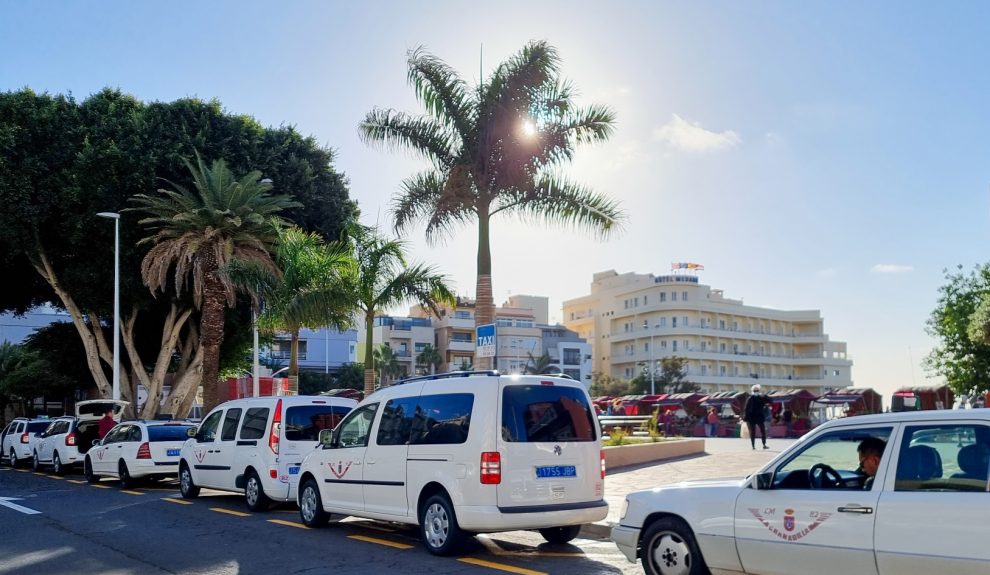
{"points": [[529, 129]]}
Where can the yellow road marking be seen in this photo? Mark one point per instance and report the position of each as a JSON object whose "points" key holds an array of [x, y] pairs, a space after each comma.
{"points": [[385, 542], [22, 471], [229, 511], [288, 523], [499, 566], [129, 492], [179, 501], [39, 473], [54, 476], [100, 486], [77, 481]]}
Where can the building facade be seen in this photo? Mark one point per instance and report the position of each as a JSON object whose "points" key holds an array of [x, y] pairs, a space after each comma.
{"points": [[632, 321]]}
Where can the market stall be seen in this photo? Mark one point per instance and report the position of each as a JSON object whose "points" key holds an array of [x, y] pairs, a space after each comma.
{"points": [[922, 398], [845, 402]]}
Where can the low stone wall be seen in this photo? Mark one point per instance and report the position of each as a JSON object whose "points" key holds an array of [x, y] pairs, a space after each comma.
{"points": [[635, 453]]}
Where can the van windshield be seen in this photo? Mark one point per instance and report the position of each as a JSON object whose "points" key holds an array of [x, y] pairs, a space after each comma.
{"points": [[534, 413], [304, 422]]}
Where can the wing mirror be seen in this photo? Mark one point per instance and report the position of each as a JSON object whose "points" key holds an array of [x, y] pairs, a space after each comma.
{"points": [[763, 480], [327, 439], [97, 442], [191, 432]]}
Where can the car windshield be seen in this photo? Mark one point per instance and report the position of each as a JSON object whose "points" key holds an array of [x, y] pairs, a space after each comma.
{"points": [[304, 422], [534, 413], [168, 432]]}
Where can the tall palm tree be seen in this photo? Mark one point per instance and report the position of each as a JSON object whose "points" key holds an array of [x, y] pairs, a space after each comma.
{"points": [[494, 149], [310, 289], [429, 357], [388, 363], [539, 365], [384, 280], [196, 233]]}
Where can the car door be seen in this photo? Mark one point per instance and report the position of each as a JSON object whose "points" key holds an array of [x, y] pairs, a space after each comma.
{"points": [[343, 463], [100, 455], [225, 450], [203, 457], [128, 445], [385, 459], [5, 442], [932, 513], [799, 525], [52, 435]]}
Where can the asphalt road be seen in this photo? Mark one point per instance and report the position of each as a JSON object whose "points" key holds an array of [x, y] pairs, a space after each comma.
{"points": [[85, 529]]}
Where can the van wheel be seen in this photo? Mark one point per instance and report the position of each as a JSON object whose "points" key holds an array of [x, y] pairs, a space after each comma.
{"points": [[438, 526], [57, 464], [669, 549], [560, 535], [88, 472], [187, 488], [35, 462], [311, 505], [13, 459], [126, 481], [254, 493]]}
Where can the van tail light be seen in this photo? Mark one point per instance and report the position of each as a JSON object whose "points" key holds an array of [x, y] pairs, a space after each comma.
{"points": [[25, 438], [491, 468], [276, 430], [70, 439], [601, 454], [144, 452]]}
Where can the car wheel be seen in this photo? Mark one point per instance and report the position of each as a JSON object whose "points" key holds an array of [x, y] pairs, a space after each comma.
{"points": [[88, 471], [438, 526], [35, 462], [254, 493], [560, 535], [311, 505], [187, 488], [57, 464], [669, 548], [126, 481], [13, 459]]}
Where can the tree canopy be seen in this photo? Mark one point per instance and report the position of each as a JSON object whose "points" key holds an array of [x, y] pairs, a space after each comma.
{"points": [[959, 322]]}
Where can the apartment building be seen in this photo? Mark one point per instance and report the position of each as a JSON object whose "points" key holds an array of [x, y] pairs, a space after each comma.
{"points": [[453, 333], [634, 320], [407, 336], [323, 350]]}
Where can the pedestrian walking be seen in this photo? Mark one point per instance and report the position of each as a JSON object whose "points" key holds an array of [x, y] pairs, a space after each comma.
{"points": [[755, 415], [711, 427]]}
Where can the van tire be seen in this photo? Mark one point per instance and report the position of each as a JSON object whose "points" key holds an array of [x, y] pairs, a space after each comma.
{"points": [[126, 481], [438, 526], [88, 472], [187, 488], [254, 493], [57, 467], [560, 535], [35, 462], [311, 505]]}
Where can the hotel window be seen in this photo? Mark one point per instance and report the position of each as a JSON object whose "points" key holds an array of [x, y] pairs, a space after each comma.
{"points": [[645, 302], [721, 324], [673, 296], [684, 321], [663, 344], [636, 302], [663, 296], [735, 326], [735, 371], [735, 348], [462, 315], [721, 370], [721, 347], [675, 345], [686, 347], [663, 322], [673, 321], [646, 347], [703, 346], [684, 295]]}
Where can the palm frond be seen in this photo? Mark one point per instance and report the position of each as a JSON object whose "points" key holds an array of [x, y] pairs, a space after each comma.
{"points": [[441, 91], [397, 130], [555, 200]]}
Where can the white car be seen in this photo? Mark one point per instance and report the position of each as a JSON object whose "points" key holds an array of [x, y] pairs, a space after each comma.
{"points": [[137, 449], [815, 510], [67, 439], [460, 453], [18, 438]]}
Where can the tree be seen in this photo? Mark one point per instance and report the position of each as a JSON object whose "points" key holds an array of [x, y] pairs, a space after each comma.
{"points": [[538, 365], [384, 280], [603, 384], [494, 149], [350, 376], [671, 379], [387, 362], [429, 357], [959, 324], [25, 375], [198, 234]]}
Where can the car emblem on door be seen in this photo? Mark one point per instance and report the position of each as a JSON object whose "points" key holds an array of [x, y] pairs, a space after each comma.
{"points": [[557, 450]]}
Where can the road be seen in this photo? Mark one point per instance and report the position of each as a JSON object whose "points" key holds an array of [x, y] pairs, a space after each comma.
{"points": [[86, 529]]}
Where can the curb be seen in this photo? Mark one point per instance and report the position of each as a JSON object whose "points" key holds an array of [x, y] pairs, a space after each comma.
{"points": [[600, 530]]}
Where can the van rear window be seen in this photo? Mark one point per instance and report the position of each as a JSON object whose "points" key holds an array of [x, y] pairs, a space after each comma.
{"points": [[304, 422], [535, 413], [168, 432], [38, 426]]}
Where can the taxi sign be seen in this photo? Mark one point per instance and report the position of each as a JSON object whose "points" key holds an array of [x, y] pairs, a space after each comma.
{"points": [[485, 341]]}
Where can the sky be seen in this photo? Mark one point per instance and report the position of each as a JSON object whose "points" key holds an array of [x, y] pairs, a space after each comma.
{"points": [[811, 155]]}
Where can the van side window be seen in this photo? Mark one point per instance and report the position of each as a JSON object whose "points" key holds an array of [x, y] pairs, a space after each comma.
{"points": [[441, 419], [535, 413], [304, 422], [396, 421], [356, 427], [253, 426], [944, 457], [208, 430], [230, 424]]}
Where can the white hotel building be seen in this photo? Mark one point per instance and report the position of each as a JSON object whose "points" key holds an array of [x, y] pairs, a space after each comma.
{"points": [[632, 320]]}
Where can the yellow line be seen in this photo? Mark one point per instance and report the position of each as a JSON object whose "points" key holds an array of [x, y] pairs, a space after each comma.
{"points": [[22, 471], [179, 501], [77, 481], [229, 511], [54, 477], [499, 566], [385, 542], [129, 492], [39, 473], [100, 486], [288, 523]]}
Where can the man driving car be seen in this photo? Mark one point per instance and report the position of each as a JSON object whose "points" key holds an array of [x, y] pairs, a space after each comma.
{"points": [[870, 451]]}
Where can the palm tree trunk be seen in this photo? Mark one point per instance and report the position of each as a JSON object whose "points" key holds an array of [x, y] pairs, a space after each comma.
{"points": [[369, 354], [210, 337], [484, 306], [294, 363]]}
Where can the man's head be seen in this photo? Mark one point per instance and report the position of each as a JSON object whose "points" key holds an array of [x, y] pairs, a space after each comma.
{"points": [[755, 390], [870, 451], [108, 412]]}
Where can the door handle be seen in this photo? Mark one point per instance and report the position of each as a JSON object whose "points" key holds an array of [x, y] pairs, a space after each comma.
{"points": [[855, 509], [371, 462]]}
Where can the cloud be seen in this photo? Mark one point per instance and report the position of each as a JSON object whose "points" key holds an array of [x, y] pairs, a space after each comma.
{"points": [[891, 269], [691, 137]]}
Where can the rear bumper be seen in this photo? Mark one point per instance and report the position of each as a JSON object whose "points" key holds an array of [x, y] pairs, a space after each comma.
{"points": [[627, 540], [491, 518], [145, 467]]}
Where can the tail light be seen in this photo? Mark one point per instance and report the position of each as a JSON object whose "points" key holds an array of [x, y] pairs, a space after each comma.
{"points": [[273, 435], [70, 439], [25, 438], [602, 455], [491, 468], [144, 452]]}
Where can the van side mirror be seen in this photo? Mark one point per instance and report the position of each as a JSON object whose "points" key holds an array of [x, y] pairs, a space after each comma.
{"points": [[763, 480], [191, 432], [326, 438]]}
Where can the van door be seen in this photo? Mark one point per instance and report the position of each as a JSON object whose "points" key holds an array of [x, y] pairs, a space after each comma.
{"points": [[225, 451], [343, 464], [204, 460], [549, 447], [385, 460], [302, 424]]}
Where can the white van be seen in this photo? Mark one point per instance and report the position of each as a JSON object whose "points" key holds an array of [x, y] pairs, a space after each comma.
{"points": [[461, 453], [255, 446]]}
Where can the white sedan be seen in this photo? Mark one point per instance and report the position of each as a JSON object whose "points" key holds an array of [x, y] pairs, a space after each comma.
{"points": [[815, 509], [137, 449]]}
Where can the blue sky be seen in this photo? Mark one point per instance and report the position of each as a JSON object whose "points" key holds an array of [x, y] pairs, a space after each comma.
{"points": [[812, 155]]}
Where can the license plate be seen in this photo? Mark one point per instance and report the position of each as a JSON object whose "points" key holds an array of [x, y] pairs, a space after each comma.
{"points": [[556, 471], [172, 453], [294, 470]]}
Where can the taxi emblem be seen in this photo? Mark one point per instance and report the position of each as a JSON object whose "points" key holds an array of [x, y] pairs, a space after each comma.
{"points": [[341, 469], [789, 520], [557, 450]]}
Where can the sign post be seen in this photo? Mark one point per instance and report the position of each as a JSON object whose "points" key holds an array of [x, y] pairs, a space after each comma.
{"points": [[485, 342]]}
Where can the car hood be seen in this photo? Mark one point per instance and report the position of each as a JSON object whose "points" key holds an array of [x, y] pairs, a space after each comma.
{"points": [[734, 482]]}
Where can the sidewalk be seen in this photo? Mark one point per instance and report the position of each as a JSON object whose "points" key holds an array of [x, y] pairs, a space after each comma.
{"points": [[723, 457]]}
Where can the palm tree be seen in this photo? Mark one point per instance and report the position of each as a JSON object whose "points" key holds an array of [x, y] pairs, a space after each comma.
{"points": [[539, 365], [198, 233], [388, 363], [494, 149], [310, 290], [384, 280], [429, 356]]}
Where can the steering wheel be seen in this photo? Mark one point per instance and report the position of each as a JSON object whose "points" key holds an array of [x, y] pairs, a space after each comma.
{"points": [[823, 476]]}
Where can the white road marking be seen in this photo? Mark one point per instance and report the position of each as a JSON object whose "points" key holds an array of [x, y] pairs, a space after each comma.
{"points": [[6, 502]]}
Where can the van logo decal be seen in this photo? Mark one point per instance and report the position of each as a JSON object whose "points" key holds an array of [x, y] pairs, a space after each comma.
{"points": [[200, 455], [557, 450], [99, 455], [340, 470]]}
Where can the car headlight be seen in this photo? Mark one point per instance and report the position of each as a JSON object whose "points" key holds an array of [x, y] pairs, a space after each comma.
{"points": [[625, 507]]}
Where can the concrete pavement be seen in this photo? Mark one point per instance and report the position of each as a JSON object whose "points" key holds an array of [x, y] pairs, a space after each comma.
{"points": [[723, 457]]}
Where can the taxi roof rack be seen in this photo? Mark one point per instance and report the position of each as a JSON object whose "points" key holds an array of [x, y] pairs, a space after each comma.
{"points": [[448, 375]]}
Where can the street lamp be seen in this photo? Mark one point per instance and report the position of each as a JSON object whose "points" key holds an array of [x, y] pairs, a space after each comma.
{"points": [[256, 386], [116, 300], [653, 367]]}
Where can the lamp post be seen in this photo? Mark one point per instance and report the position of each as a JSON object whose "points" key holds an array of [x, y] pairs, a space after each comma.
{"points": [[256, 373], [116, 300], [653, 368]]}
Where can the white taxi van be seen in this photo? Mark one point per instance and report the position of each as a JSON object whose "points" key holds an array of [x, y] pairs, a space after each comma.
{"points": [[463, 452], [256, 445], [816, 508]]}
